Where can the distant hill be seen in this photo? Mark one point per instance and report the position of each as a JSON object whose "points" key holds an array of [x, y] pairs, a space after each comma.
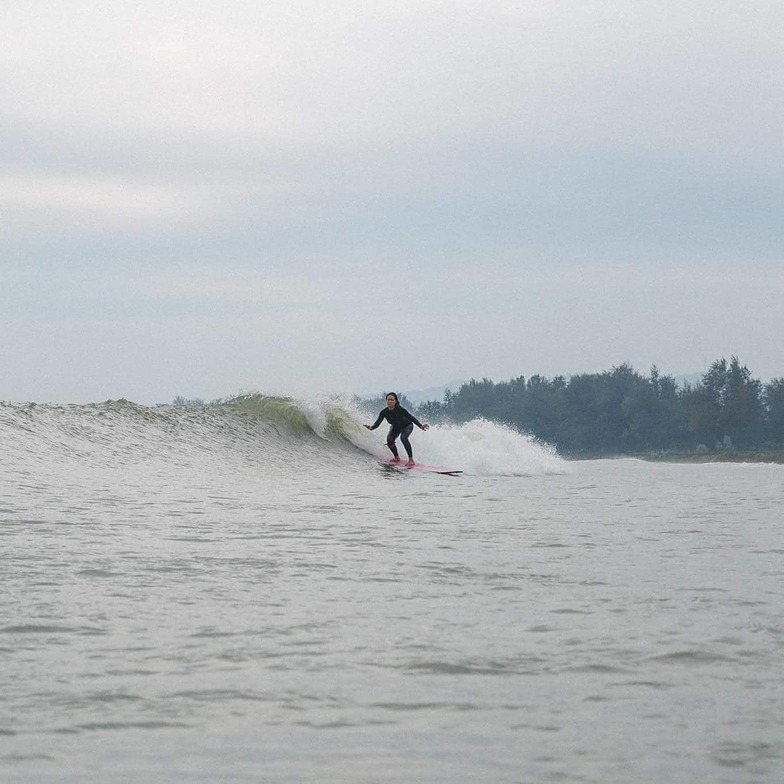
{"points": [[419, 396], [692, 379]]}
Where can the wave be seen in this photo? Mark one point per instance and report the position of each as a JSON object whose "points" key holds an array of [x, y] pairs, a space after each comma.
{"points": [[283, 431]]}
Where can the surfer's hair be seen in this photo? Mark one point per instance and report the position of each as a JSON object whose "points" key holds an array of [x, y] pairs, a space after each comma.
{"points": [[394, 395]]}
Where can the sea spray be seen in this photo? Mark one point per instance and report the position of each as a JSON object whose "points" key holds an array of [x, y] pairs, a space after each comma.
{"points": [[485, 448]]}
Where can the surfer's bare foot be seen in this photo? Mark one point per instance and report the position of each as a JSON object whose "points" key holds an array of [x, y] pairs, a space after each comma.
{"points": [[395, 460], [410, 463]]}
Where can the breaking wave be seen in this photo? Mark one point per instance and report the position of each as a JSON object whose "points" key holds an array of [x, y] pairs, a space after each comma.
{"points": [[278, 431]]}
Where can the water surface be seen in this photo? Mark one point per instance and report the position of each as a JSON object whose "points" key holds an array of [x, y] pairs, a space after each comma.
{"points": [[243, 594]]}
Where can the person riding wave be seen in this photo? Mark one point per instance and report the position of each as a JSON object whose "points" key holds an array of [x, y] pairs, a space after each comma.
{"points": [[401, 425]]}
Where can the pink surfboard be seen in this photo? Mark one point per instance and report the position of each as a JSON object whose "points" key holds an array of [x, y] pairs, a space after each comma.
{"points": [[428, 469]]}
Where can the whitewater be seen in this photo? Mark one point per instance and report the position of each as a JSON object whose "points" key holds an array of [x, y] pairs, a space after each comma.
{"points": [[243, 592]]}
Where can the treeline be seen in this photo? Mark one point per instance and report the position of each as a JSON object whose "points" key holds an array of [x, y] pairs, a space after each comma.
{"points": [[621, 411]]}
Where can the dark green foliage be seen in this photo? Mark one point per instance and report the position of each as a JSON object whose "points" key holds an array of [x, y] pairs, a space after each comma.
{"points": [[774, 411], [727, 410], [623, 412]]}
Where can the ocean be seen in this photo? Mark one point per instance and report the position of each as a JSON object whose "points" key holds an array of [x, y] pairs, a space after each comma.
{"points": [[242, 592]]}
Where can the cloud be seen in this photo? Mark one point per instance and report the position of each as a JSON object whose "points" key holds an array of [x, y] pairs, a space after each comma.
{"points": [[346, 76], [41, 201], [242, 287], [295, 179], [216, 112]]}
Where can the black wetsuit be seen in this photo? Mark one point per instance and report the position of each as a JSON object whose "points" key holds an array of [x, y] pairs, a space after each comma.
{"points": [[402, 423]]}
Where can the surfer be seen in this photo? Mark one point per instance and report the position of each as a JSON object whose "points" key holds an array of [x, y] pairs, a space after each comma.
{"points": [[401, 425]]}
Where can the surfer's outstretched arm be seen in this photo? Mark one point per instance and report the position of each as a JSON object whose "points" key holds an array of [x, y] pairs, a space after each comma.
{"points": [[377, 422]]}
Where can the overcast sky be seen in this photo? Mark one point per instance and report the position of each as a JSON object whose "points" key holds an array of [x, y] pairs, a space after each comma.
{"points": [[205, 198]]}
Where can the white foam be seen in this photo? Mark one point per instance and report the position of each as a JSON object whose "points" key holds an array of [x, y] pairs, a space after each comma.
{"points": [[487, 449], [478, 447]]}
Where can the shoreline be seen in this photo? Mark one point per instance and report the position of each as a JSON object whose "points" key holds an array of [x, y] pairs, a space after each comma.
{"points": [[760, 456], [717, 457]]}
